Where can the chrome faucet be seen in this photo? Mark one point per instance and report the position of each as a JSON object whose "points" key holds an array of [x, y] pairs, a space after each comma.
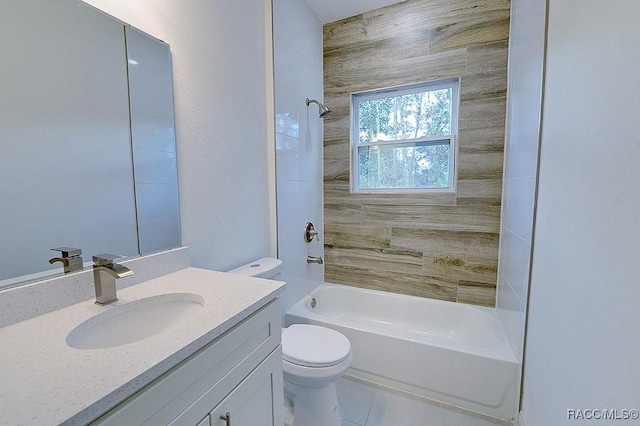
{"points": [[105, 273], [315, 259], [70, 258]]}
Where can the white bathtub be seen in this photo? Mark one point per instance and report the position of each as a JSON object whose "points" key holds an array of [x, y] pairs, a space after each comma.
{"points": [[449, 352]]}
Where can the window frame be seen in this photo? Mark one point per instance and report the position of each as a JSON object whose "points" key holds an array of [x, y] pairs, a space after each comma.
{"points": [[452, 138]]}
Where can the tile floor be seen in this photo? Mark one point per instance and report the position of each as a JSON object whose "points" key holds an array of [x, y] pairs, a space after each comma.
{"points": [[365, 405]]}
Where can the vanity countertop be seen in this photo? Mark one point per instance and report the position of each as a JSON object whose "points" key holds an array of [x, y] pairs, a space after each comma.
{"points": [[46, 382]]}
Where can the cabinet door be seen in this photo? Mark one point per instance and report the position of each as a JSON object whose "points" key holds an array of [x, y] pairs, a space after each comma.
{"points": [[257, 400]]}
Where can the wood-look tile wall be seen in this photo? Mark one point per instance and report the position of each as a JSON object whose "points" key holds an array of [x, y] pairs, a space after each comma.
{"points": [[443, 246]]}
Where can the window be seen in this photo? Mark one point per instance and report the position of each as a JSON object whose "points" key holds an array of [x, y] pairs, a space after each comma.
{"points": [[403, 139]]}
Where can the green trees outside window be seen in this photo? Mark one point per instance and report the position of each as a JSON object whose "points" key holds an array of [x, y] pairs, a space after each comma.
{"points": [[403, 138]]}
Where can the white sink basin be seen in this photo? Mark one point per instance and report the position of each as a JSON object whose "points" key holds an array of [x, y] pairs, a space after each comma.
{"points": [[134, 321]]}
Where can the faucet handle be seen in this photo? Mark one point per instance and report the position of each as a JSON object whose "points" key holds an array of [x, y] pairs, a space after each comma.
{"points": [[105, 259], [310, 232], [68, 251]]}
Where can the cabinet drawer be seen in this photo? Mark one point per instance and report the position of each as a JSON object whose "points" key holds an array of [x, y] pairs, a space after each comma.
{"points": [[221, 365]]}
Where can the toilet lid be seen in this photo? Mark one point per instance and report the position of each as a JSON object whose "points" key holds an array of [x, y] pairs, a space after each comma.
{"points": [[314, 346]]}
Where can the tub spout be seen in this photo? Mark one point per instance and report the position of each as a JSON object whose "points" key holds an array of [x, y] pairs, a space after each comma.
{"points": [[315, 259]]}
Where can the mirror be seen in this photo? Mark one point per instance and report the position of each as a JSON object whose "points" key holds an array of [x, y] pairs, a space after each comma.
{"points": [[88, 148]]}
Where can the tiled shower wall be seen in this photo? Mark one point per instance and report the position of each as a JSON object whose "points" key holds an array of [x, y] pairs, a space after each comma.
{"points": [[297, 48], [526, 66], [443, 246], [521, 163]]}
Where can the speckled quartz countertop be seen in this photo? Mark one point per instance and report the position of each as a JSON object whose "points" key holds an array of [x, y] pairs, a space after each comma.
{"points": [[44, 381]]}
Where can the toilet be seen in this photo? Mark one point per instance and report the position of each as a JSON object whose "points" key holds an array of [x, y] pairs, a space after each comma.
{"points": [[313, 358]]}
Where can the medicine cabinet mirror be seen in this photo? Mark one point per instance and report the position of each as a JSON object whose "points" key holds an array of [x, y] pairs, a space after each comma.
{"points": [[88, 147]]}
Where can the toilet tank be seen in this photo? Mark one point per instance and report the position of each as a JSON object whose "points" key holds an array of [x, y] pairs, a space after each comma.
{"points": [[267, 267]]}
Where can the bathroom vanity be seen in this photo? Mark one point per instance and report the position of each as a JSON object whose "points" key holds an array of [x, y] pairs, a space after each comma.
{"points": [[237, 378], [218, 363], [88, 132]]}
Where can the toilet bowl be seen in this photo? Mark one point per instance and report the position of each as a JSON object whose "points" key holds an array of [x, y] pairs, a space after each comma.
{"points": [[313, 358]]}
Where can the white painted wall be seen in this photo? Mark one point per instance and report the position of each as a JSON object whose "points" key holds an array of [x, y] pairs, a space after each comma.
{"points": [[583, 339], [298, 75], [220, 56], [526, 57]]}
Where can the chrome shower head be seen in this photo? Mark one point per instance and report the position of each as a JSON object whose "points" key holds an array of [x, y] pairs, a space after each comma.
{"points": [[324, 110]]}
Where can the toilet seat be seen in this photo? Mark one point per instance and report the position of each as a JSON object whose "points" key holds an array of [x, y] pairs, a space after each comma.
{"points": [[314, 346]]}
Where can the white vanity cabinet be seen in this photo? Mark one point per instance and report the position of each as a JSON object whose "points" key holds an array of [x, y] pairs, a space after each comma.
{"points": [[252, 402], [239, 373]]}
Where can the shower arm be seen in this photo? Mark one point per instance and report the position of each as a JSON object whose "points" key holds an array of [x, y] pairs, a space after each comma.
{"points": [[323, 109]]}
